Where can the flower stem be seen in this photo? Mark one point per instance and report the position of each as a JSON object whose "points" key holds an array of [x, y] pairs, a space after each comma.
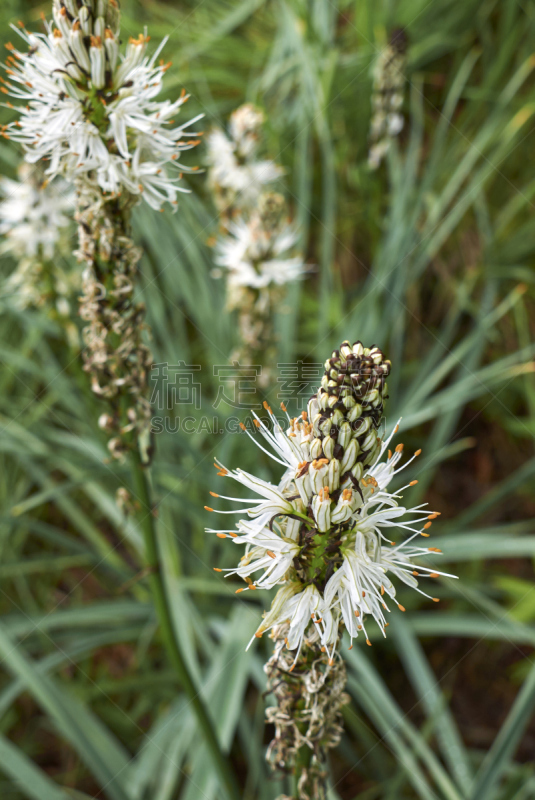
{"points": [[302, 762], [147, 522]]}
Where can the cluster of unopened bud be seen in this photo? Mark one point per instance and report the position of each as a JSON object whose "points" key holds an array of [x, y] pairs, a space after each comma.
{"points": [[339, 439], [86, 40], [348, 407], [387, 98]]}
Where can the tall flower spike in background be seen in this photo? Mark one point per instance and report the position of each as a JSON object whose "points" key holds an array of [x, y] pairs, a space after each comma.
{"points": [[387, 97], [90, 112], [258, 248], [237, 174], [323, 535], [35, 220]]}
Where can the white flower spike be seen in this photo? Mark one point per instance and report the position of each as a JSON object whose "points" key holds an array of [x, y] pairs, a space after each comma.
{"points": [[324, 534], [90, 111]]}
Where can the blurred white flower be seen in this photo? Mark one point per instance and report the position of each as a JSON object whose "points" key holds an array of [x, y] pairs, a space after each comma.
{"points": [[90, 111], [237, 177], [259, 251], [33, 213]]}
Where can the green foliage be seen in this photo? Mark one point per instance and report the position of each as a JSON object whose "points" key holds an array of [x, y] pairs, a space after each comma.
{"points": [[431, 258]]}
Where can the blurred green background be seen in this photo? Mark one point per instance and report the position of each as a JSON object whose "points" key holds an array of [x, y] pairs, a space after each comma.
{"points": [[431, 258]]}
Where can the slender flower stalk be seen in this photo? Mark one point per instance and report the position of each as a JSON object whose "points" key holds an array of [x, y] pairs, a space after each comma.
{"points": [[387, 98], [323, 535], [90, 111], [258, 251], [35, 223]]}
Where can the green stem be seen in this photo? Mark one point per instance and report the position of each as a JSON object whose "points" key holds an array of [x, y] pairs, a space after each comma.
{"points": [[163, 611], [302, 761]]}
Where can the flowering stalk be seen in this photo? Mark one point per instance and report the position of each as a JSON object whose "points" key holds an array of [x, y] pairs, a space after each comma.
{"points": [[257, 249], [34, 219], [387, 98], [237, 175], [90, 111], [257, 255], [322, 535]]}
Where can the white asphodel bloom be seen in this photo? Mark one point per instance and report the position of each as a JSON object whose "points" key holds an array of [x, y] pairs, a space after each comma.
{"points": [[266, 550], [294, 522], [258, 255], [33, 214], [87, 110], [235, 171]]}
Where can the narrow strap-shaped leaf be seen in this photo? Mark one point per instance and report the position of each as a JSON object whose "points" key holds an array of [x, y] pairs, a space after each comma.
{"points": [[428, 691], [497, 759], [94, 743], [396, 728], [28, 778]]}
